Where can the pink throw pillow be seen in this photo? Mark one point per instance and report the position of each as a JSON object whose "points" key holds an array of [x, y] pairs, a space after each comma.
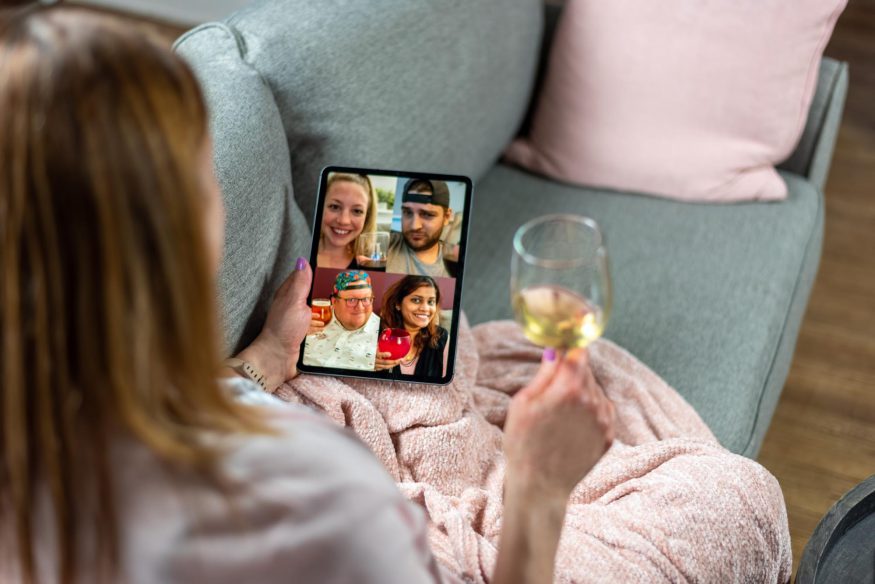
{"points": [[694, 100]]}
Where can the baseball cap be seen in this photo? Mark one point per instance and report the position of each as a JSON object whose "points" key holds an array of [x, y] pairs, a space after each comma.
{"points": [[440, 193]]}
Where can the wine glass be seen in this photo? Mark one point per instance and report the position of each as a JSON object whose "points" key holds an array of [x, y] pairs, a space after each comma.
{"points": [[371, 250], [396, 342], [560, 285]]}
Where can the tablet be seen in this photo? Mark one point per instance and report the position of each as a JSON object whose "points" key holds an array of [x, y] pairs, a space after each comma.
{"points": [[388, 261]]}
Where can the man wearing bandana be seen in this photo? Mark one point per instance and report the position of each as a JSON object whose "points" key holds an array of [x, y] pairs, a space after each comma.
{"points": [[349, 341], [425, 211]]}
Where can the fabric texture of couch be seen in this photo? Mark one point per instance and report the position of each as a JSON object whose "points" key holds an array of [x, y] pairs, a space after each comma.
{"points": [[711, 297]]}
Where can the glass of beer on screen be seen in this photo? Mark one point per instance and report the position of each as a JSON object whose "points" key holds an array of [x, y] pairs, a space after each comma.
{"points": [[321, 309], [560, 285]]}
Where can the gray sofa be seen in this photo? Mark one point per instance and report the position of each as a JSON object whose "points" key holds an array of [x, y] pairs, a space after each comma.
{"points": [[709, 296]]}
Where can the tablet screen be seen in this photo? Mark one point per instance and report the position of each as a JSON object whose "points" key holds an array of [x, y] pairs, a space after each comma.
{"points": [[389, 257]]}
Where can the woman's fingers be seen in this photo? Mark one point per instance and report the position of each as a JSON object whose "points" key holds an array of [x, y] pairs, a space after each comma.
{"points": [[567, 380], [549, 363], [576, 381], [561, 427], [295, 289], [593, 397], [288, 314], [288, 321], [288, 318]]}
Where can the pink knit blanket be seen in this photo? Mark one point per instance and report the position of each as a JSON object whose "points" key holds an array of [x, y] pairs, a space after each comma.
{"points": [[667, 503]]}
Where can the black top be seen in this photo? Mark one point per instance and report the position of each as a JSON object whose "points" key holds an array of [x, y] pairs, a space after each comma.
{"points": [[431, 360]]}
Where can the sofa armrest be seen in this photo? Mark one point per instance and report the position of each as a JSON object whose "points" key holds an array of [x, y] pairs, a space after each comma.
{"points": [[813, 154]]}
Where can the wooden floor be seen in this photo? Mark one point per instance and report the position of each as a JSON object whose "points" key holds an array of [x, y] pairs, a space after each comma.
{"points": [[822, 439]]}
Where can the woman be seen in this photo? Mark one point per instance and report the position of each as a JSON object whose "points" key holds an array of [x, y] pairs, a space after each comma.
{"points": [[413, 303], [122, 456], [350, 210]]}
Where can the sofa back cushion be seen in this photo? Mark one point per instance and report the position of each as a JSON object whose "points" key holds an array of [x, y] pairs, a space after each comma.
{"points": [[265, 230], [399, 84]]}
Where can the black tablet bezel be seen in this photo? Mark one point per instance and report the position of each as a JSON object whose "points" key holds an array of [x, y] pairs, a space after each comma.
{"points": [[457, 306]]}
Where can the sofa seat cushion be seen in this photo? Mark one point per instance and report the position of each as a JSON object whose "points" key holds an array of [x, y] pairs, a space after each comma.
{"points": [[709, 296]]}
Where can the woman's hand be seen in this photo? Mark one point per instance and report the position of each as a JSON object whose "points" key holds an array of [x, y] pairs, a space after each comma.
{"points": [[558, 427], [275, 351], [383, 362]]}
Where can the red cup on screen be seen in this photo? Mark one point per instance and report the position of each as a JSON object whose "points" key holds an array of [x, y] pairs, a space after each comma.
{"points": [[396, 342]]}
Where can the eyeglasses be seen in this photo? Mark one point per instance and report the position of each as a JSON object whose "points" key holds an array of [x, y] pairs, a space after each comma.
{"points": [[351, 302]]}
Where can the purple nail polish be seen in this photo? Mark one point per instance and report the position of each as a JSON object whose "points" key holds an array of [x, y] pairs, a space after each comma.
{"points": [[301, 264], [549, 354]]}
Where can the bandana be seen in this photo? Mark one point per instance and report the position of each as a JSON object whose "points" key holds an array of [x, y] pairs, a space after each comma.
{"points": [[351, 280]]}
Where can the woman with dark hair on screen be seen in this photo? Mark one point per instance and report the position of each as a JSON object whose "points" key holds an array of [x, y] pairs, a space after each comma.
{"points": [[413, 303], [123, 456]]}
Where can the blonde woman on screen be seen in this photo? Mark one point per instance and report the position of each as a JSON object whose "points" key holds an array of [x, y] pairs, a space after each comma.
{"points": [[350, 209]]}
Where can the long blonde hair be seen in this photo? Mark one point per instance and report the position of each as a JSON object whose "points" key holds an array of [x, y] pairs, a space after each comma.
{"points": [[106, 288], [364, 182]]}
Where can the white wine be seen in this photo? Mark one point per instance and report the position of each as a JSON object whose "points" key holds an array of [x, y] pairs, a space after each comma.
{"points": [[552, 316]]}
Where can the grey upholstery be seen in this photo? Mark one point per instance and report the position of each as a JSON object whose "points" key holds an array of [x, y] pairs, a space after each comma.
{"points": [[265, 228], [435, 86], [710, 296]]}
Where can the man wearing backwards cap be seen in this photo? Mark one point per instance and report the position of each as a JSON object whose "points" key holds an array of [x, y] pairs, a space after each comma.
{"points": [[349, 341], [425, 210]]}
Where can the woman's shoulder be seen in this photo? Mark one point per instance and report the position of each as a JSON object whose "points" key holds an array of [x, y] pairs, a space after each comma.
{"points": [[308, 445], [304, 443], [329, 510], [308, 499]]}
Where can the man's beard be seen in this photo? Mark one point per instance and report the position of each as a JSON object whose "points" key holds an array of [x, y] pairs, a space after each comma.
{"points": [[427, 244]]}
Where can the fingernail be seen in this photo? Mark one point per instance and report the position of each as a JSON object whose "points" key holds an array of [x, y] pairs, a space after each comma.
{"points": [[549, 354], [301, 264]]}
